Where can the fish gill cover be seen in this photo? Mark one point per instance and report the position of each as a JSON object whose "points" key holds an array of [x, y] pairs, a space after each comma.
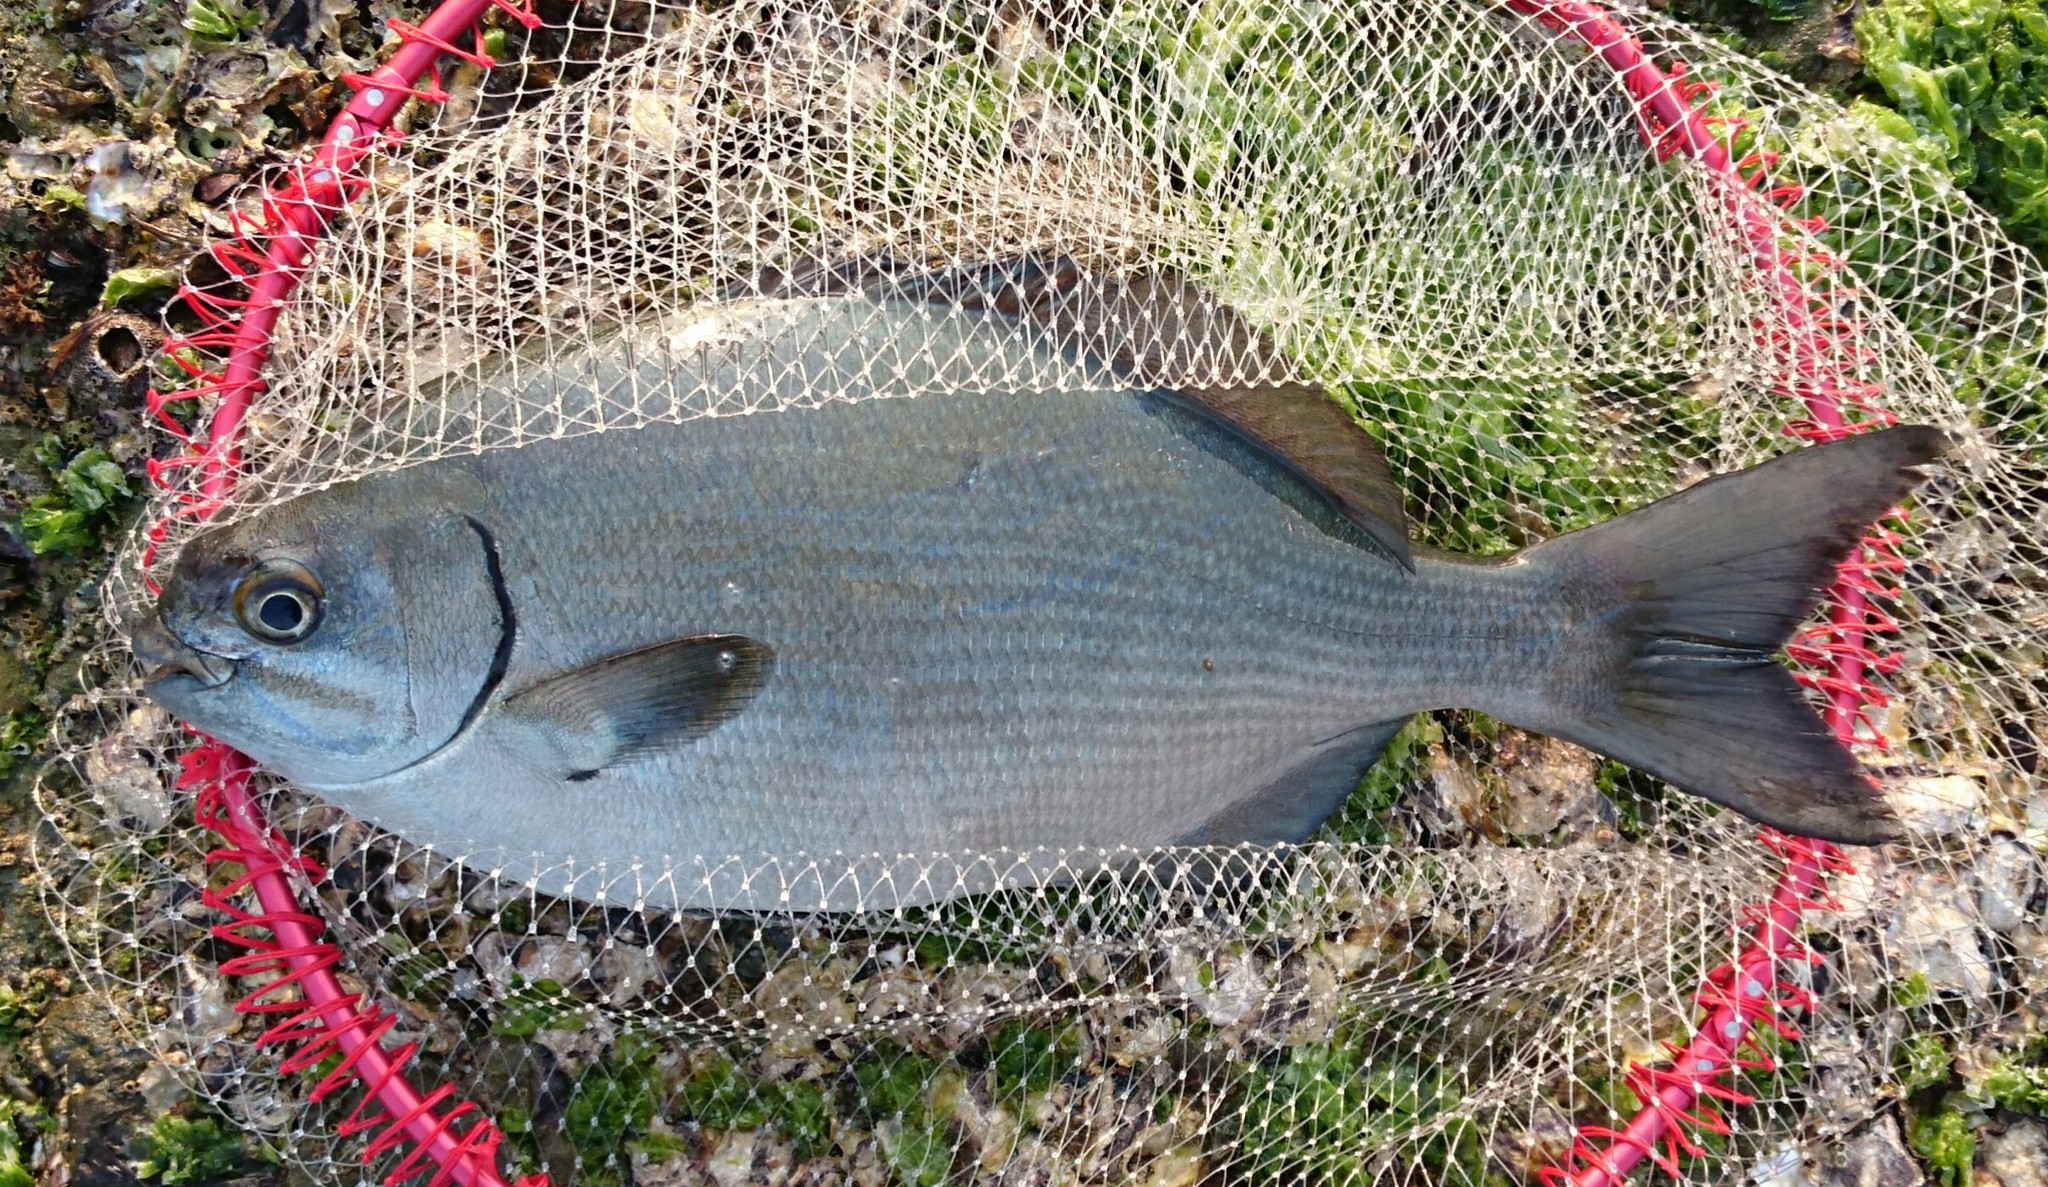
{"points": [[1449, 217]]}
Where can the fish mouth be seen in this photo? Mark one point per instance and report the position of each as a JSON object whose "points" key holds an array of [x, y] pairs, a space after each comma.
{"points": [[168, 657]]}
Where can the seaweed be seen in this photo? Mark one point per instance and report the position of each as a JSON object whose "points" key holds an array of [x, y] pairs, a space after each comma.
{"points": [[1948, 1142], [2015, 1079], [612, 1104], [719, 1096], [1324, 1114], [90, 490], [14, 1117], [1972, 77], [895, 1089], [177, 1149]]}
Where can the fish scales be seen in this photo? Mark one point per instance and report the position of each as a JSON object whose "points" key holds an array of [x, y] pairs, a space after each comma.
{"points": [[942, 588], [1035, 600]]}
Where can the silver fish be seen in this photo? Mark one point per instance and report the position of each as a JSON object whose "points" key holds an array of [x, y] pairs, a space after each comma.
{"points": [[1002, 574]]}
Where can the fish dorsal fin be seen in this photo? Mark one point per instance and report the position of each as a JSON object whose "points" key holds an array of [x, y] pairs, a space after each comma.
{"points": [[670, 694], [1156, 329]]}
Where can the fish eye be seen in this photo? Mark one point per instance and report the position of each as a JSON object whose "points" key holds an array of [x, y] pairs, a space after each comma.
{"points": [[279, 602]]}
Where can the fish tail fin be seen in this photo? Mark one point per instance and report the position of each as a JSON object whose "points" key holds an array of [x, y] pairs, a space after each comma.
{"points": [[1691, 599]]}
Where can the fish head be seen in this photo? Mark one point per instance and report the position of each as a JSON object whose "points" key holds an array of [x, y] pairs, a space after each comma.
{"points": [[334, 638]]}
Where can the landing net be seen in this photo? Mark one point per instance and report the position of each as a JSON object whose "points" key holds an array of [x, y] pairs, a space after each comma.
{"points": [[1555, 283]]}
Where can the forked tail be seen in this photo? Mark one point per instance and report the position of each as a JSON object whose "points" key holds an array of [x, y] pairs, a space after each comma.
{"points": [[1672, 668]]}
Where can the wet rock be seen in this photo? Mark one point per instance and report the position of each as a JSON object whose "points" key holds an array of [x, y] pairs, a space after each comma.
{"points": [[1782, 1167], [1455, 799], [162, 1088], [1102, 1125], [124, 777], [88, 1067], [1844, 1092], [417, 879], [449, 245], [1042, 131], [1869, 893], [1302, 1007], [563, 960], [261, 1104], [630, 973], [232, 74], [1222, 987], [2008, 873], [866, 1164], [1178, 1167], [1140, 1039], [118, 187], [989, 1130], [112, 18], [663, 120], [749, 1159], [2030, 956], [1524, 1149], [671, 1170], [1938, 806], [583, 1041], [17, 684], [45, 99], [2017, 1156], [796, 1007], [1641, 1026], [94, 1126], [1874, 1158], [1033, 1164], [971, 999], [1935, 934], [122, 344], [202, 1011], [1549, 783], [897, 991], [525, 1074], [1360, 948], [216, 188], [74, 1038], [1511, 910]]}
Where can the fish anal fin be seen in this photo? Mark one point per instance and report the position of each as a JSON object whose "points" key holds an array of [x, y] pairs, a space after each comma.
{"points": [[1291, 805], [667, 695]]}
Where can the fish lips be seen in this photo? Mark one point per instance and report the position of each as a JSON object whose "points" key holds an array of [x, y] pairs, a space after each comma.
{"points": [[168, 658]]}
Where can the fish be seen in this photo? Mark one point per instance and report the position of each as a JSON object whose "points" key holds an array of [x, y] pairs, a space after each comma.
{"points": [[962, 579]]}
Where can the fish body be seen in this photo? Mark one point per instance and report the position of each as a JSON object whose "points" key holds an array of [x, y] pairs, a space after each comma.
{"points": [[816, 656]]}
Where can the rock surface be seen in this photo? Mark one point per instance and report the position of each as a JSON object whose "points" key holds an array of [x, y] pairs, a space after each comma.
{"points": [[2017, 1156], [1876, 1157]]}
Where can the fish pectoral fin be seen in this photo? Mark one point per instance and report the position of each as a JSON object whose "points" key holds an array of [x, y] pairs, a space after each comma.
{"points": [[662, 696]]}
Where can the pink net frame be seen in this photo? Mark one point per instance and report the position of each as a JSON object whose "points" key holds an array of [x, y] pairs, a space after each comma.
{"points": [[431, 1132]]}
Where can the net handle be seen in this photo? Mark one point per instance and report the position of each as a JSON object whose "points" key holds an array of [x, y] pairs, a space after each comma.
{"points": [[457, 1144]]}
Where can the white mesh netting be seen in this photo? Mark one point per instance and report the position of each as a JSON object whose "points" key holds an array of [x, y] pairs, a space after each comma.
{"points": [[1443, 212]]}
